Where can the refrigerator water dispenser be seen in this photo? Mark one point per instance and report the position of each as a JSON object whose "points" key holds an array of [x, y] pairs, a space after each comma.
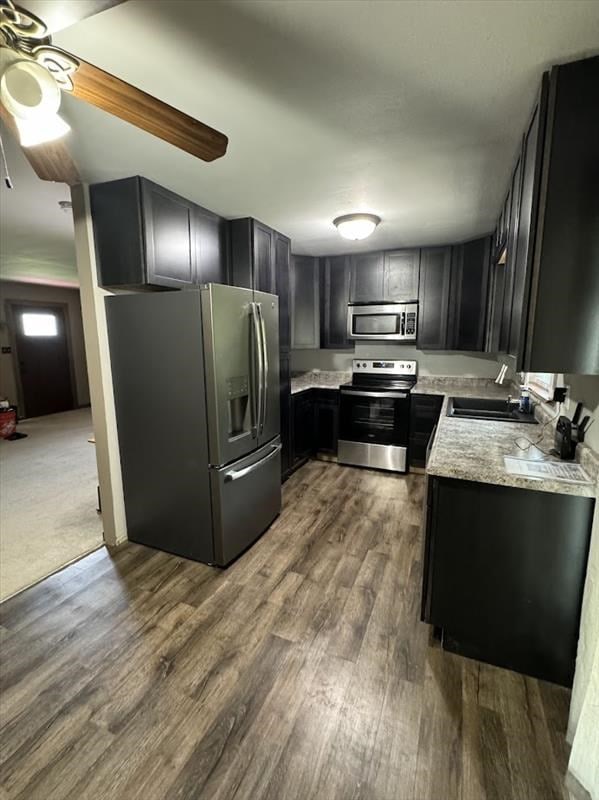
{"points": [[238, 404]]}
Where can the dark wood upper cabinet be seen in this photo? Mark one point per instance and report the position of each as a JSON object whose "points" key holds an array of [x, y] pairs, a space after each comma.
{"points": [[530, 162], [282, 262], [211, 247], [494, 307], [433, 312], [335, 285], [304, 288], [468, 295], [146, 235], [169, 236], [264, 259], [401, 275], [367, 277], [253, 256], [551, 299], [509, 256]]}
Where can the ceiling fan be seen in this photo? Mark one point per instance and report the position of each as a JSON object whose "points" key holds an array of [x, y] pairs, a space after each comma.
{"points": [[34, 72]]}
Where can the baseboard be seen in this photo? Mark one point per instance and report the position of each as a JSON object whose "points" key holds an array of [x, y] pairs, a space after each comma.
{"points": [[114, 548], [575, 788]]}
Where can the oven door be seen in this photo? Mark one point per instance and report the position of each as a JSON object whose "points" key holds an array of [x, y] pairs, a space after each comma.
{"points": [[374, 417]]}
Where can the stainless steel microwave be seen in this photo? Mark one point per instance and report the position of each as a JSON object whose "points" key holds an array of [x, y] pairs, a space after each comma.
{"points": [[383, 321]]}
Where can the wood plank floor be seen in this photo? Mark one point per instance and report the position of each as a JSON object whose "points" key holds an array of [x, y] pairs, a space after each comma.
{"points": [[300, 672]]}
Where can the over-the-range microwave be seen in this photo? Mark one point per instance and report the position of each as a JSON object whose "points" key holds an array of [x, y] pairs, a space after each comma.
{"points": [[383, 321]]}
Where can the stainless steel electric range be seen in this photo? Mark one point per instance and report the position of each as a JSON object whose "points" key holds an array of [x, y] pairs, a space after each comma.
{"points": [[374, 424]]}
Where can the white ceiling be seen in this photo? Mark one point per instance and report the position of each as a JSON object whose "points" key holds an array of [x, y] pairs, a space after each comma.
{"points": [[36, 236], [411, 110]]}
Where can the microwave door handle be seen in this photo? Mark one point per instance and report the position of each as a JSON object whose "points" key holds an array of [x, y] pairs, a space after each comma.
{"points": [[264, 367], [256, 370]]}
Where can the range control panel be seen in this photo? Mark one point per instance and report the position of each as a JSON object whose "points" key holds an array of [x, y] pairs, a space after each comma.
{"points": [[372, 367]]}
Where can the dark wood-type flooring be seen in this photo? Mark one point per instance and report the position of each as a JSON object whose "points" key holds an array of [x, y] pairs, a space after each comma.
{"points": [[300, 672]]}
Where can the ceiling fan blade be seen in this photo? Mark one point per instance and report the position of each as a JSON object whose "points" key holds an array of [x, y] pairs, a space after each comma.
{"points": [[119, 98], [51, 161], [59, 14]]}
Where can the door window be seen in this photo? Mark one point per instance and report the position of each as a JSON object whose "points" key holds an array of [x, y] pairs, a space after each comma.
{"points": [[39, 324]]}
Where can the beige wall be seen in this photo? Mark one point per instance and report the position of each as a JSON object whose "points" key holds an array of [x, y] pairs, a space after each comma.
{"points": [[10, 290]]}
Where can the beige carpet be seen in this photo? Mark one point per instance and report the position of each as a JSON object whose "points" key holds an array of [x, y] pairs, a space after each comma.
{"points": [[48, 498]]}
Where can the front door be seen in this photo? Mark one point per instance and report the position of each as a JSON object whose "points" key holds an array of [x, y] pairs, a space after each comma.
{"points": [[43, 359]]}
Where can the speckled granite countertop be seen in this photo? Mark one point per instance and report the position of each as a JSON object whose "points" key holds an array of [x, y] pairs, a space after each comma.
{"points": [[318, 379], [473, 450]]}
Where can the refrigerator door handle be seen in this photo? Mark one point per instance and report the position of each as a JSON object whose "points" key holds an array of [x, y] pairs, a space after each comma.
{"points": [[264, 367], [236, 474], [258, 368]]}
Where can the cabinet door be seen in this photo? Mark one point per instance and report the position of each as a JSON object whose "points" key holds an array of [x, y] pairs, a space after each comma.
{"points": [[564, 285], [495, 307], [282, 258], [401, 275], [468, 296], [211, 247], [487, 591], [510, 258], [303, 425], [367, 278], [305, 294], [336, 278], [531, 156], [264, 259], [169, 227], [435, 271], [327, 421], [424, 415]]}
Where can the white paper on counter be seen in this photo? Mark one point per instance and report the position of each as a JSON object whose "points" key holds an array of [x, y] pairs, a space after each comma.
{"points": [[566, 472]]}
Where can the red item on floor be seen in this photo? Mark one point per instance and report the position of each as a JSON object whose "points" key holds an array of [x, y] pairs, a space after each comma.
{"points": [[8, 422]]}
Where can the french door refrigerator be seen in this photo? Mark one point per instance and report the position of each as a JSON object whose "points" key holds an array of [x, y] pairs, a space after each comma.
{"points": [[196, 388]]}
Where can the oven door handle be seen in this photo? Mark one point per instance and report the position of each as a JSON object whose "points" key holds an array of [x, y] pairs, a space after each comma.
{"points": [[390, 395]]}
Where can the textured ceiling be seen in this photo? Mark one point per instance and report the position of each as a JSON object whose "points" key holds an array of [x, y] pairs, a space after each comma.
{"points": [[411, 110]]}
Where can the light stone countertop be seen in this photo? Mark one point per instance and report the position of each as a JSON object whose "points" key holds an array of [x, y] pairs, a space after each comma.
{"points": [[473, 450], [319, 379]]}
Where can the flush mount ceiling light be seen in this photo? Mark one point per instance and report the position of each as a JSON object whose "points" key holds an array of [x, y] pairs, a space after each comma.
{"points": [[356, 226], [32, 95]]}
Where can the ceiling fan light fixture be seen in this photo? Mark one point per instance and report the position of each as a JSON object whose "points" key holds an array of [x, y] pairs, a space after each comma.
{"points": [[30, 93], [356, 226], [33, 132]]}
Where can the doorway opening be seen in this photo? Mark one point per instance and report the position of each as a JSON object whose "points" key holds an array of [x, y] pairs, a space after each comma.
{"points": [[49, 499]]}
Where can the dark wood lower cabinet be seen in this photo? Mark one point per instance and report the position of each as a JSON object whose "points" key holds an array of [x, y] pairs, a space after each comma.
{"points": [[326, 432], [314, 425], [285, 406], [424, 415], [303, 419], [504, 574]]}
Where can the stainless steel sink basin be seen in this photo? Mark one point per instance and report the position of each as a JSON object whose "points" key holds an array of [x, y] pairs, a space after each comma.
{"points": [[481, 408]]}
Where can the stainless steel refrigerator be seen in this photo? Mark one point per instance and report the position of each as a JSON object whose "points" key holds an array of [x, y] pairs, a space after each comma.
{"points": [[196, 387]]}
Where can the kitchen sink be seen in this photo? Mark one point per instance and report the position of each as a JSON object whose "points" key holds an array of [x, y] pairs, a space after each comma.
{"points": [[481, 408]]}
